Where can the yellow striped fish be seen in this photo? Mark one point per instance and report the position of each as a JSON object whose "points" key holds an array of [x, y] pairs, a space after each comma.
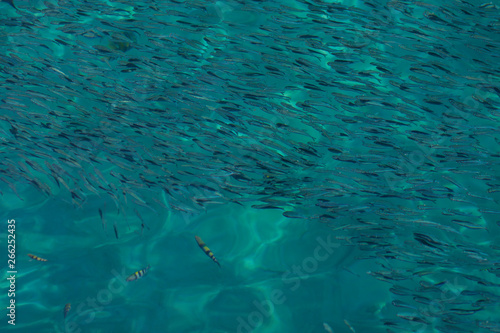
{"points": [[32, 256], [206, 249], [138, 274], [67, 307]]}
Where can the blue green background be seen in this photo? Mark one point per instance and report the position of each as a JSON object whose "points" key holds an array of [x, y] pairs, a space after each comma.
{"points": [[269, 129]]}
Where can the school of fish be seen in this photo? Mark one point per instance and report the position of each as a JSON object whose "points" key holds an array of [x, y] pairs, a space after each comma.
{"points": [[378, 119]]}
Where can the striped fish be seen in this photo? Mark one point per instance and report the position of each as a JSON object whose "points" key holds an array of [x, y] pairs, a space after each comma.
{"points": [[205, 249], [32, 256], [138, 274], [67, 307]]}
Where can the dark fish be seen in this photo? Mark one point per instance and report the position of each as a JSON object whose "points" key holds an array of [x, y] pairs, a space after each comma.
{"points": [[466, 311], [116, 230], [426, 240], [102, 219], [265, 206], [402, 304], [413, 318]]}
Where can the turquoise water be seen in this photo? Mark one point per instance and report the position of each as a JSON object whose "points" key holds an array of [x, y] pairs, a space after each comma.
{"points": [[339, 158]]}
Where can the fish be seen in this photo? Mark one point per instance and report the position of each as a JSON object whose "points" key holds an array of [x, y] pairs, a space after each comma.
{"points": [[205, 249], [102, 219], [349, 325], [386, 154], [32, 256], [327, 328], [67, 307], [138, 274], [143, 224], [488, 5]]}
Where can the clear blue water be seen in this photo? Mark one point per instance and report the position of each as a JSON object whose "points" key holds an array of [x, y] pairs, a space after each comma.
{"points": [[340, 159]]}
